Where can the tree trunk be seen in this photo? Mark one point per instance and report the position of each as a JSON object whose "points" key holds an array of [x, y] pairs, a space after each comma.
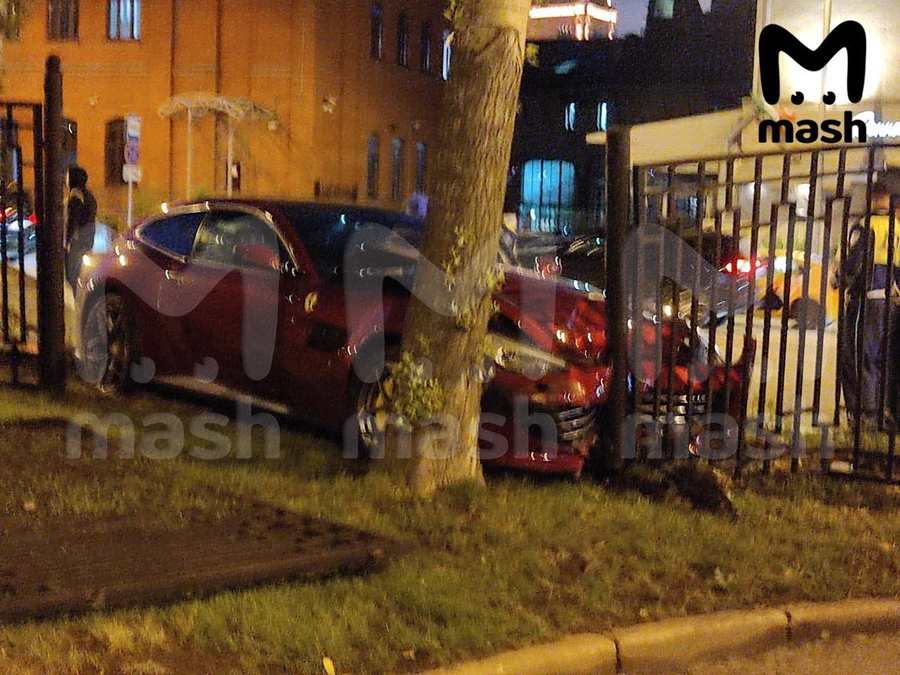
{"points": [[462, 235]]}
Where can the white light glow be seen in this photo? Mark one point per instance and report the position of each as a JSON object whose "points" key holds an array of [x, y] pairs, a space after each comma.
{"points": [[572, 10], [876, 128]]}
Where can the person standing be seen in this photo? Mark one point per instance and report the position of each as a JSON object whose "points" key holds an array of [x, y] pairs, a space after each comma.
{"points": [[81, 216], [869, 284]]}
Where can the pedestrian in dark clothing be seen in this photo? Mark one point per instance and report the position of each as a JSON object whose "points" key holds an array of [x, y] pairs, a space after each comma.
{"points": [[866, 368], [81, 217]]}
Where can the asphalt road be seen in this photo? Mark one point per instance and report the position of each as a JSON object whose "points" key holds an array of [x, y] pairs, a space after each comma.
{"points": [[865, 655], [791, 363]]}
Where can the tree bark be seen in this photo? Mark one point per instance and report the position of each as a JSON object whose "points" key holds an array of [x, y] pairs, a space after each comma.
{"points": [[462, 234]]}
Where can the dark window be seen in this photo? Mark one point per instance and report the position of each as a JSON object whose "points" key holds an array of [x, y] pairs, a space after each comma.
{"points": [[12, 16], [326, 231], [373, 166], [403, 40], [425, 50], [421, 166], [376, 50], [222, 233], [62, 19], [397, 177], [175, 234], [115, 151], [124, 19]]}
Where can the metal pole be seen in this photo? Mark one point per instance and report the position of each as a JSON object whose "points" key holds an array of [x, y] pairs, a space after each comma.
{"points": [[190, 154], [618, 169], [229, 178], [50, 253], [826, 31], [130, 202]]}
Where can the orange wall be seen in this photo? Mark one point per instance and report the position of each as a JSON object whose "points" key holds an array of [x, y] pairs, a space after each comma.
{"points": [[286, 55]]}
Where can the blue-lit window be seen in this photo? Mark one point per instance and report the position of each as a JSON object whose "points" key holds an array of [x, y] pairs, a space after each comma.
{"points": [[602, 116], [448, 55], [124, 19], [570, 119], [376, 32], [548, 194]]}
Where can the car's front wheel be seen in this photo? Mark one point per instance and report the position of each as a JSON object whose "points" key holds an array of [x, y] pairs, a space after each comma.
{"points": [[108, 349]]}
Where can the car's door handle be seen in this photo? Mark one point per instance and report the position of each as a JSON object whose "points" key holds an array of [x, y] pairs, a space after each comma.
{"points": [[176, 278]]}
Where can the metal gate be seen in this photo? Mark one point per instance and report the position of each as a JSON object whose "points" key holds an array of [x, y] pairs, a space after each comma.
{"points": [[779, 262], [32, 329], [21, 195]]}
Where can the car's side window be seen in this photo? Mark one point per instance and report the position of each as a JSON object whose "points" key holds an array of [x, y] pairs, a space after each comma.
{"points": [[175, 234], [223, 233]]}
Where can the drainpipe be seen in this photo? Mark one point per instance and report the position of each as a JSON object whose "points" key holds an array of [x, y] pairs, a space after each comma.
{"points": [[220, 15], [173, 44]]}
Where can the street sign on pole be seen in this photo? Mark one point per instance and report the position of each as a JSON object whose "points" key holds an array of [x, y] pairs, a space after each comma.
{"points": [[132, 128], [131, 170]]}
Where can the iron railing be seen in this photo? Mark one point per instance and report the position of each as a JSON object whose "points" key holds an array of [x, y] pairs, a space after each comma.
{"points": [[765, 281]]}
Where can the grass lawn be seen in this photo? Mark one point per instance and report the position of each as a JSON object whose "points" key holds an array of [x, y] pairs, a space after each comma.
{"points": [[521, 563]]}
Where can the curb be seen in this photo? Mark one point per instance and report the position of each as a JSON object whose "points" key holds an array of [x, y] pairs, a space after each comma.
{"points": [[669, 646]]}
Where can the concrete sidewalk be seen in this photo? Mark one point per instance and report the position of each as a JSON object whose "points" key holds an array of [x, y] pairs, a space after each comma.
{"points": [[671, 646]]}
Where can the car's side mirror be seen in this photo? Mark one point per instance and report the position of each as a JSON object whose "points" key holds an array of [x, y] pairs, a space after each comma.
{"points": [[257, 255]]}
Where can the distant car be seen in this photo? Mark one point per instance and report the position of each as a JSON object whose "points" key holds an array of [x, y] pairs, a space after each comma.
{"points": [[557, 365], [585, 260], [808, 311], [14, 224]]}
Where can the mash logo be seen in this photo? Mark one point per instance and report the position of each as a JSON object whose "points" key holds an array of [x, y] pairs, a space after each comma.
{"points": [[775, 40]]}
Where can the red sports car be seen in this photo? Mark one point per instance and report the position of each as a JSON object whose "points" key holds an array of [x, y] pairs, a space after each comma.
{"points": [[250, 298]]}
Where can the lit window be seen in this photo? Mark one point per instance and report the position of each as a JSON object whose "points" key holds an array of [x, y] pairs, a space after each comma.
{"points": [[602, 116], [62, 19], [425, 50], [397, 177], [548, 194], [373, 165], [570, 117], [448, 55], [377, 32], [421, 166], [403, 40], [12, 16], [124, 19]]}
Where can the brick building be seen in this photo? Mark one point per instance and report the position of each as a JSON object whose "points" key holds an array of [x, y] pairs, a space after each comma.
{"points": [[351, 92]]}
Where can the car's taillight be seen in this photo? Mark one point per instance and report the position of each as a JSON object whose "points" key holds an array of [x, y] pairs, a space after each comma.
{"points": [[743, 266]]}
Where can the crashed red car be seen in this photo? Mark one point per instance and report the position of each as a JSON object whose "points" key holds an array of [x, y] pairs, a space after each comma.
{"points": [[172, 294]]}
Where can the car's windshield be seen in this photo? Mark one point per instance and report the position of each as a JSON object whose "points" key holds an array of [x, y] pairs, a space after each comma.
{"points": [[326, 231]]}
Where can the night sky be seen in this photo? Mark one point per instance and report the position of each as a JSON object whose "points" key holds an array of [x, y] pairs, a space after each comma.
{"points": [[633, 14]]}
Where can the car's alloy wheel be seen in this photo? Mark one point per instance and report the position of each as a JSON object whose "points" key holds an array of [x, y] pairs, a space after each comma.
{"points": [[107, 347], [372, 414]]}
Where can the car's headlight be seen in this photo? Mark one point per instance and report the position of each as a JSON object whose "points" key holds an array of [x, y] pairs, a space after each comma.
{"points": [[520, 357]]}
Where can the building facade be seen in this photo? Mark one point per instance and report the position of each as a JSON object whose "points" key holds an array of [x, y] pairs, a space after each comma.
{"points": [[689, 63], [568, 20], [346, 95]]}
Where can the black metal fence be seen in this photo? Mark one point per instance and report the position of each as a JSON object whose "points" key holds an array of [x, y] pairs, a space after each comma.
{"points": [[790, 276], [21, 194], [32, 322]]}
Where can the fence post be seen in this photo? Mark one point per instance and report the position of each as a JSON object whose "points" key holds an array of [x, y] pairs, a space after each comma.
{"points": [[50, 252], [618, 209]]}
